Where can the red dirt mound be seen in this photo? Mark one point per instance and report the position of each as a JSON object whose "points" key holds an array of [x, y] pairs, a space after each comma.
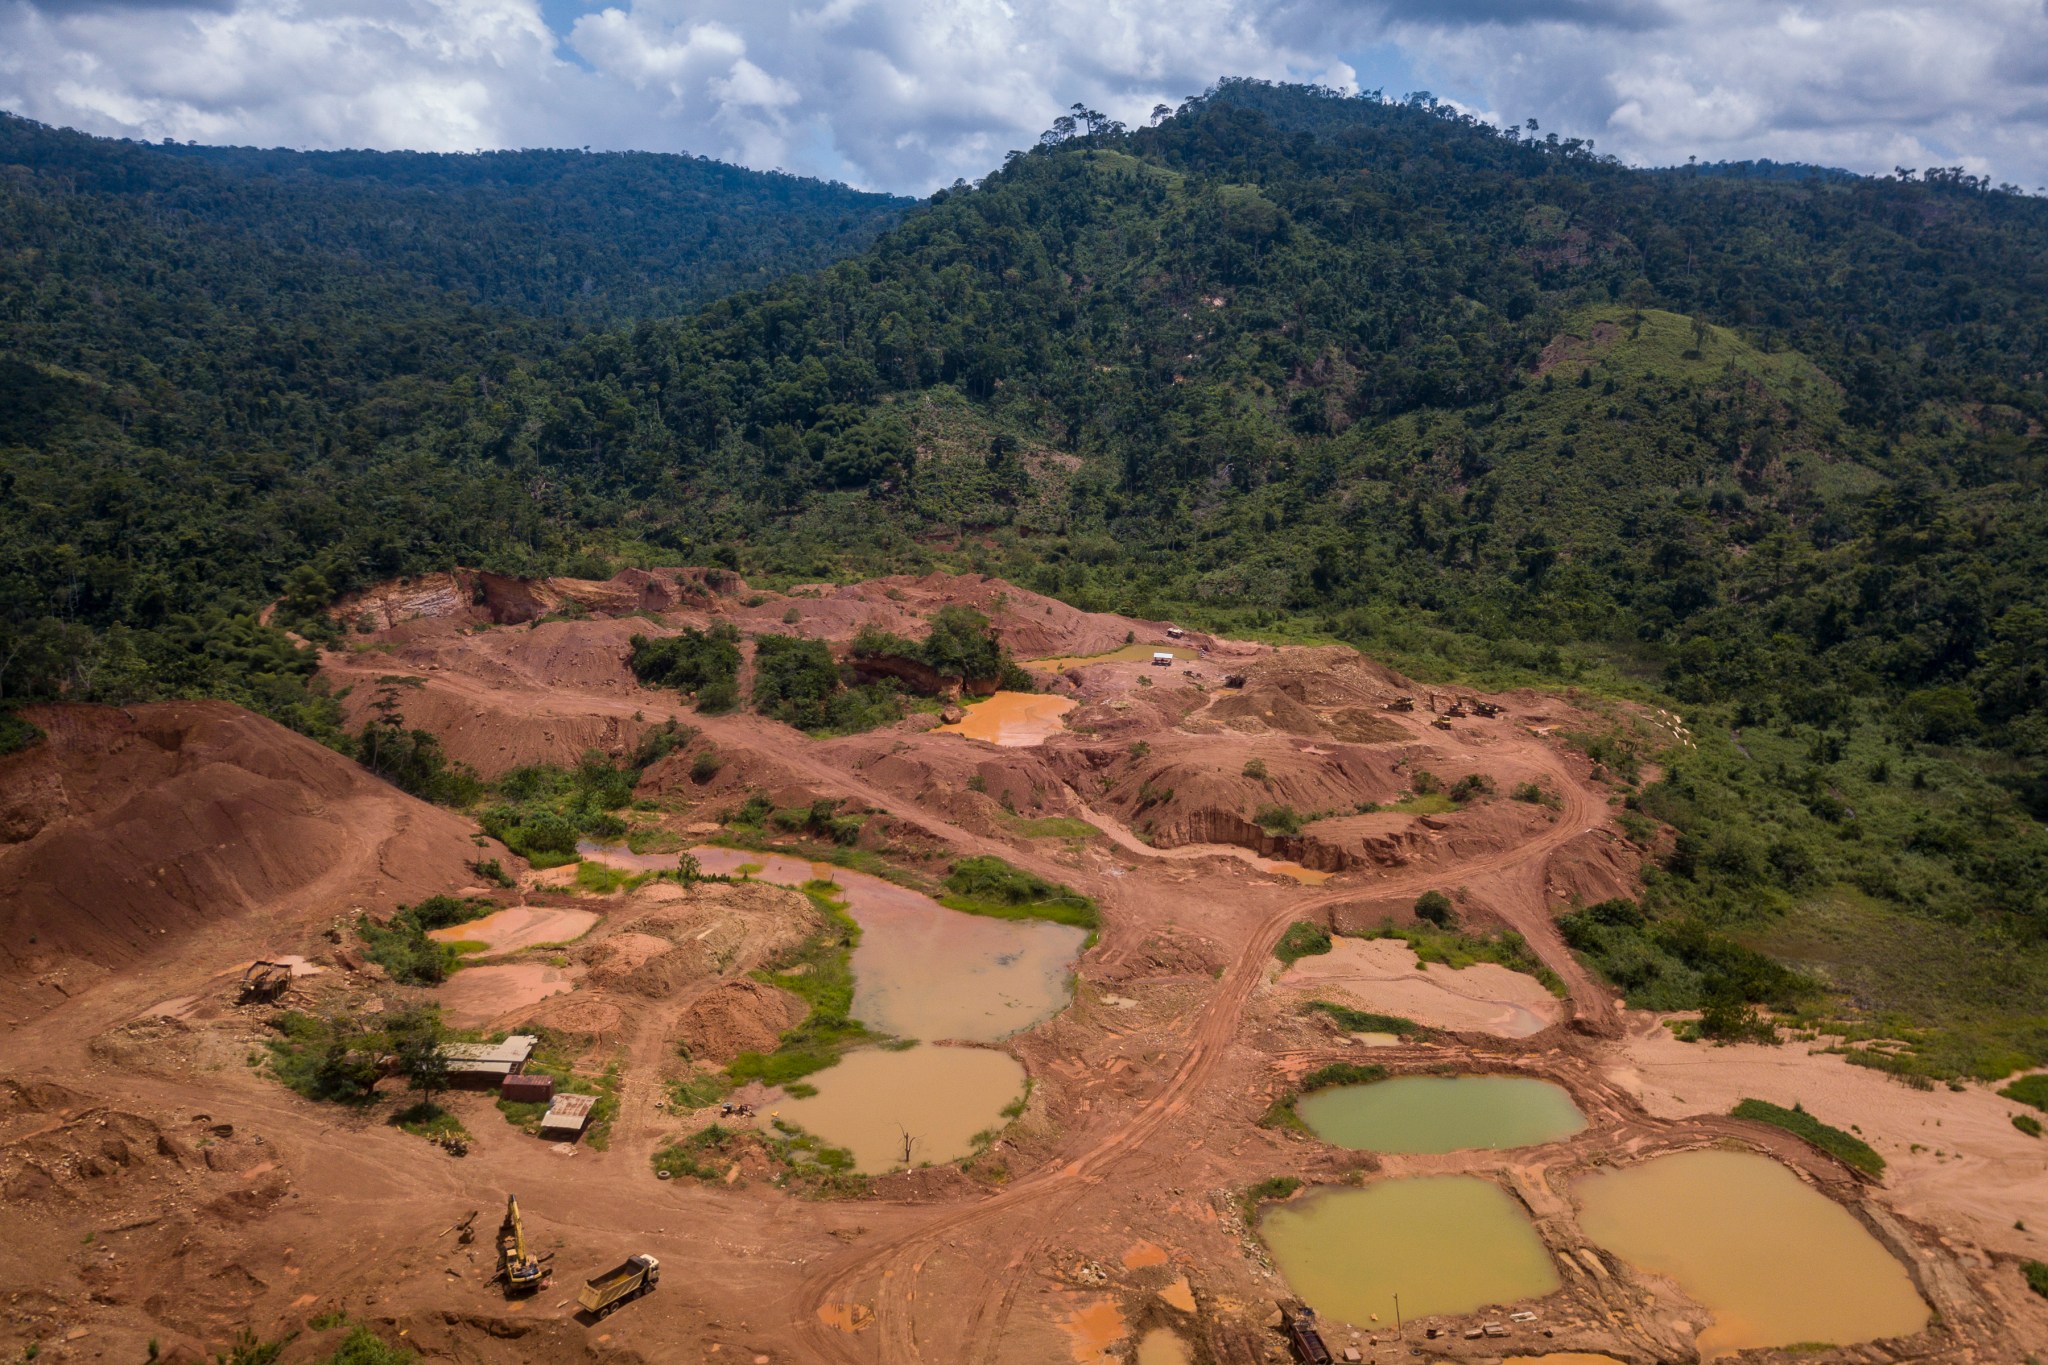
{"points": [[126, 830], [739, 1016]]}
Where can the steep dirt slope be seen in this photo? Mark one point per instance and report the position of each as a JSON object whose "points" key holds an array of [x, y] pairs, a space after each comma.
{"points": [[126, 831]]}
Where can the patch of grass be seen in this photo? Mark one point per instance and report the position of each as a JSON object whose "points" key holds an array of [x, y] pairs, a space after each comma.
{"points": [[697, 1156], [819, 972], [1425, 803], [401, 946], [2030, 1090], [429, 1120], [1273, 1187], [2037, 1276], [601, 879], [698, 1089], [990, 886], [653, 839], [1301, 940], [1364, 1021], [2027, 1124], [1458, 950], [1049, 827], [1341, 1073], [1966, 999], [1850, 1149], [363, 1347]]}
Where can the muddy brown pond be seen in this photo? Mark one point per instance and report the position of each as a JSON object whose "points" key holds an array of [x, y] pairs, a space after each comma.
{"points": [[1013, 720], [1442, 1113], [1774, 1260], [1443, 1243], [935, 1098]]}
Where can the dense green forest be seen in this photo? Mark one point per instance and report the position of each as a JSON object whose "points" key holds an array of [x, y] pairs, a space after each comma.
{"points": [[1761, 443]]}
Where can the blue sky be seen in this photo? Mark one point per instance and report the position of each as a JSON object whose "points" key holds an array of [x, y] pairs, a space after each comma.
{"points": [[908, 95]]}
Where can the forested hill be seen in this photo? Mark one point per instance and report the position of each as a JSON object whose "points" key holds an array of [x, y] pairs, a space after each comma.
{"points": [[600, 237], [1763, 442]]}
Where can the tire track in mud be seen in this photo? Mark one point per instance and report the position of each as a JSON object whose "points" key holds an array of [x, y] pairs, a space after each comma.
{"points": [[894, 1266]]}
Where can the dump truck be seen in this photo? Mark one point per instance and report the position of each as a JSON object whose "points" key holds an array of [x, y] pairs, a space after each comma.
{"points": [[1486, 708], [264, 982], [620, 1284], [1401, 704], [1306, 1340], [518, 1267]]}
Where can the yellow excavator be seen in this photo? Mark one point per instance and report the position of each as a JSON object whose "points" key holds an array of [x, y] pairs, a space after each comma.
{"points": [[519, 1268]]}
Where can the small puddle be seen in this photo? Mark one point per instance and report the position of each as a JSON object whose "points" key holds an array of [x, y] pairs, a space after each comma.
{"points": [[1307, 876], [1161, 1347], [1445, 1244], [1014, 720], [521, 926], [1093, 1330], [1180, 1294], [1442, 1113], [940, 1096], [1143, 1254], [1128, 654], [1775, 1261]]}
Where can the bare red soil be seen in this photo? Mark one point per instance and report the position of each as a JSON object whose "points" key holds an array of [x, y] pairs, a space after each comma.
{"points": [[158, 1185]]}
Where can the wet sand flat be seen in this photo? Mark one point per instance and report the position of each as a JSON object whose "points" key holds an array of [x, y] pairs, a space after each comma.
{"points": [[520, 926], [476, 995]]}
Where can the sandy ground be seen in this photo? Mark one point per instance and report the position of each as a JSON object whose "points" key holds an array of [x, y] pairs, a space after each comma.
{"points": [[160, 1185], [1383, 976], [1953, 1158]]}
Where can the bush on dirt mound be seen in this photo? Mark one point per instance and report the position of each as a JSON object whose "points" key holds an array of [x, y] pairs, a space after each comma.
{"points": [[990, 886]]}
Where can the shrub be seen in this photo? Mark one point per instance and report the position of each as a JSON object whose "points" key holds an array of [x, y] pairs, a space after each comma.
{"points": [[1272, 1187], [2037, 1276], [1364, 1021], [1528, 791], [1435, 907], [705, 663], [1302, 939], [401, 946], [1278, 819], [1852, 1150], [1471, 786], [2027, 1124], [1255, 769], [1341, 1073], [705, 765]]}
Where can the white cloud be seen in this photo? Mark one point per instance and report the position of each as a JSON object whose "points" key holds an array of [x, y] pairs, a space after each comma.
{"points": [[908, 94]]}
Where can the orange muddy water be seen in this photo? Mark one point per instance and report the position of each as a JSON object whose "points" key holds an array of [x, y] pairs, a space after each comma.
{"points": [[940, 1096], [1014, 720], [1775, 1261], [521, 926]]}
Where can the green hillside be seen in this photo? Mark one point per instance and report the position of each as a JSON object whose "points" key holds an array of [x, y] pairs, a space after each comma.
{"points": [[1763, 446]]}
